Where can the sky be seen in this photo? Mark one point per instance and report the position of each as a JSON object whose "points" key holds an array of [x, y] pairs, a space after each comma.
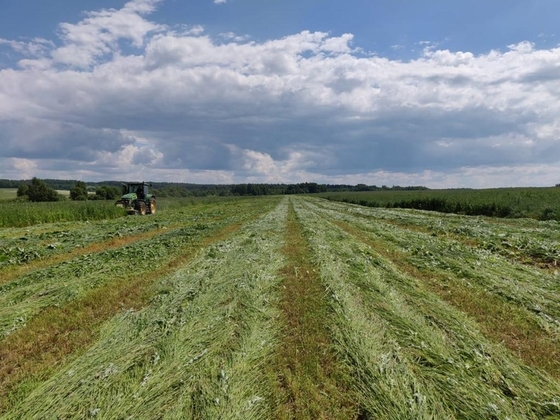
{"points": [[439, 93]]}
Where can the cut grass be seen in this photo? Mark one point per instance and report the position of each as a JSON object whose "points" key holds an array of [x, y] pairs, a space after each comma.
{"points": [[500, 320], [28, 295], [13, 272], [412, 354], [544, 253], [198, 350], [312, 310], [60, 332], [30, 354], [535, 290], [314, 385]]}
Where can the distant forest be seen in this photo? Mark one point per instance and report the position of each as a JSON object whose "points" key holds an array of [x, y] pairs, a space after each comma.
{"points": [[169, 189]]}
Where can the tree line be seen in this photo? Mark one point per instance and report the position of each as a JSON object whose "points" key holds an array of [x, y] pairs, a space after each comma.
{"points": [[45, 189], [38, 190]]}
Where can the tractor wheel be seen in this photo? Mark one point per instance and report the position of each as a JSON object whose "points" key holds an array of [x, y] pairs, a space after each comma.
{"points": [[142, 208], [152, 206]]}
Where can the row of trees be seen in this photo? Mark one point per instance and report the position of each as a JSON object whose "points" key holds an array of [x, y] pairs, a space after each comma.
{"points": [[44, 190], [37, 190], [105, 192]]}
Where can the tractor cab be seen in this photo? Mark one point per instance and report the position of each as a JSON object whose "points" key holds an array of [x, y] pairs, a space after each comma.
{"points": [[136, 198], [139, 189]]}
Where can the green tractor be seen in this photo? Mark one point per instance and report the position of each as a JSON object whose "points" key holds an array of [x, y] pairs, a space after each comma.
{"points": [[136, 199]]}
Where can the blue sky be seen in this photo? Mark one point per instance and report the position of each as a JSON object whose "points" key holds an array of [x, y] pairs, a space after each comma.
{"points": [[476, 25], [437, 93]]}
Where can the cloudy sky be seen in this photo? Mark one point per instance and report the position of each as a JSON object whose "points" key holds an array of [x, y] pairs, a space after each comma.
{"points": [[388, 92]]}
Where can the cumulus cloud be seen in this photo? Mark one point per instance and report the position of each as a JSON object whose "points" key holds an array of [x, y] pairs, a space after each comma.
{"points": [[119, 96], [100, 32]]}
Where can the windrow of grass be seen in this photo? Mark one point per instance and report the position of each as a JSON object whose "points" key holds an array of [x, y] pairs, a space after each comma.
{"points": [[412, 354], [535, 290], [200, 349], [526, 240], [25, 296], [29, 355], [503, 296], [312, 383], [21, 246], [30, 258]]}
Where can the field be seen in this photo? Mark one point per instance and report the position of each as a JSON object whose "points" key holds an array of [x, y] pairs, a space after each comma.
{"points": [[8, 193], [22, 214], [281, 308], [536, 203]]}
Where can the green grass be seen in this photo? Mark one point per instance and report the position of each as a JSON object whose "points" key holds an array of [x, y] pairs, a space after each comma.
{"points": [[413, 355], [7, 193], [294, 307], [22, 214], [199, 350], [537, 203]]}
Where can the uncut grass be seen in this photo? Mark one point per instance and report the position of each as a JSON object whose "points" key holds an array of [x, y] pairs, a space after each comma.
{"points": [[8, 193], [312, 382], [24, 214], [20, 214], [413, 355], [199, 349], [25, 296]]}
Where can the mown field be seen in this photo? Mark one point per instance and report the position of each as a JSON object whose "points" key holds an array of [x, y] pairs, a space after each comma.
{"points": [[536, 203], [281, 308]]}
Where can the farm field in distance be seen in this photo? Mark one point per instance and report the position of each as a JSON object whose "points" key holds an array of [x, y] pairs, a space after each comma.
{"points": [[8, 193], [280, 308]]}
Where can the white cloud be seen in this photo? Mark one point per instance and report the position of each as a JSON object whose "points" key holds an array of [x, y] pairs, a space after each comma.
{"points": [[21, 168], [230, 36], [34, 48], [98, 34], [305, 107], [220, 1]]}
